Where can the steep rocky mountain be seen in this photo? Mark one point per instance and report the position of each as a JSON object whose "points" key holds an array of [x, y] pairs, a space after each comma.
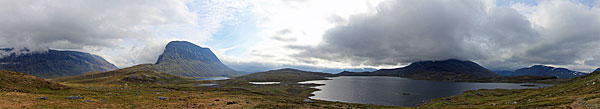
{"points": [[451, 69], [183, 58], [541, 70], [598, 69], [21, 82], [54, 63], [139, 74]]}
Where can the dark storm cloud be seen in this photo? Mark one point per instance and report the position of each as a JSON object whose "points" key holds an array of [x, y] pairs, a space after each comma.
{"points": [[499, 37]]}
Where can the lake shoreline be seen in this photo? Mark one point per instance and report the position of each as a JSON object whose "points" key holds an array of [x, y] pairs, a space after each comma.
{"points": [[314, 94]]}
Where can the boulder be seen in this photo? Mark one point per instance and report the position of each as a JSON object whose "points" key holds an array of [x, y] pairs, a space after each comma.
{"points": [[74, 97], [163, 98]]}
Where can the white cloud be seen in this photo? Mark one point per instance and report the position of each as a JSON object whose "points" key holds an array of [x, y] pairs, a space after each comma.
{"points": [[124, 32]]}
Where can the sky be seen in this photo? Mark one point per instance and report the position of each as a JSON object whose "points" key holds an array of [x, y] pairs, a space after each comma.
{"points": [[255, 35]]}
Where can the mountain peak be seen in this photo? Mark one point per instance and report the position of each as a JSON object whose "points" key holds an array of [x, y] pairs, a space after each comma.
{"points": [[181, 44], [187, 59]]}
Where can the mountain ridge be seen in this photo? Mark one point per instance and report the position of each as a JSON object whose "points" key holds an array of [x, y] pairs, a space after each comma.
{"points": [[542, 70], [450, 69], [54, 63]]}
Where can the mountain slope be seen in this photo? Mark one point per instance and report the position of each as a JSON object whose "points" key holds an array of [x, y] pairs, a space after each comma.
{"points": [[15, 81], [284, 75], [540, 70], [139, 74], [54, 63], [451, 69], [183, 58]]}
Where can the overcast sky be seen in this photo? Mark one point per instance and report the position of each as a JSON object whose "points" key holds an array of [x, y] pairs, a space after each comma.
{"points": [[265, 34]]}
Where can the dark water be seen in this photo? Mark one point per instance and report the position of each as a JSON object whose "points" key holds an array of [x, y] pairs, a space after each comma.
{"points": [[212, 78], [389, 90]]}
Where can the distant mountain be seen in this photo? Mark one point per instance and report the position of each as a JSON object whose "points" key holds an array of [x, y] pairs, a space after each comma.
{"points": [[54, 63], [139, 74], [21, 82], [505, 73], [284, 75], [451, 69], [598, 69], [541, 70], [183, 58]]}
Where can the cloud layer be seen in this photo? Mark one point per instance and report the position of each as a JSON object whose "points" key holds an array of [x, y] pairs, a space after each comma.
{"points": [[500, 37], [124, 32]]}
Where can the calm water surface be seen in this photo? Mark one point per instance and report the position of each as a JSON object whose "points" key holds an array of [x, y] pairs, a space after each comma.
{"points": [[212, 78], [389, 90]]}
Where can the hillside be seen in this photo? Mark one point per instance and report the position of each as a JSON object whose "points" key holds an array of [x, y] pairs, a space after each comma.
{"points": [[284, 75], [21, 82], [54, 63], [541, 70], [183, 58], [139, 74], [451, 69], [580, 92]]}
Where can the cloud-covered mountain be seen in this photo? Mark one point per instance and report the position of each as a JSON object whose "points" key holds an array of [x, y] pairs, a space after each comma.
{"points": [[541, 70], [183, 58], [451, 69], [53, 63]]}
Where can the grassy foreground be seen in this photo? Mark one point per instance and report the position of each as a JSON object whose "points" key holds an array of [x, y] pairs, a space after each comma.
{"points": [[580, 92], [130, 88]]}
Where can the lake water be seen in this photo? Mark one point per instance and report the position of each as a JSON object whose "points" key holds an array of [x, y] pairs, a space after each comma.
{"points": [[212, 78], [397, 91]]}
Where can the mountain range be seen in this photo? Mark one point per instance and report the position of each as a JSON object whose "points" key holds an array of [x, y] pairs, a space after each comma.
{"points": [[451, 69], [54, 63], [541, 70]]}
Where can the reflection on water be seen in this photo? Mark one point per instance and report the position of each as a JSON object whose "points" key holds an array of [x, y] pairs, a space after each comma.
{"points": [[263, 83], [212, 78], [398, 91], [205, 85]]}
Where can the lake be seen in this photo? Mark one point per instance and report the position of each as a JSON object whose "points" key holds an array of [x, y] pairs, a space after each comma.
{"points": [[212, 78], [398, 91]]}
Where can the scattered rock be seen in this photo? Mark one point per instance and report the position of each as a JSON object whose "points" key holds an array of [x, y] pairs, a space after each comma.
{"points": [[232, 102], [43, 98], [217, 100], [158, 93], [405, 93], [163, 98], [74, 97], [493, 104], [515, 102], [88, 101], [308, 101], [201, 92], [211, 104], [108, 93]]}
